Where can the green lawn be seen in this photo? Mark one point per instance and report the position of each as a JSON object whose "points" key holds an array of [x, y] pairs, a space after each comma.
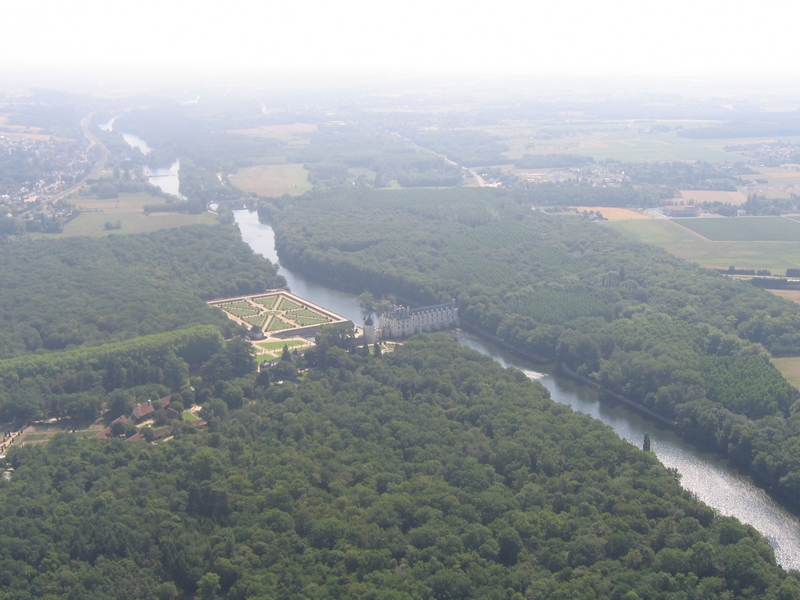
{"points": [[287, 304], [266, 301], [189, 417], [745, 229], [681, 242], [277, 324], [279, 345], [93, 224], [304, 312], [259, 320]]}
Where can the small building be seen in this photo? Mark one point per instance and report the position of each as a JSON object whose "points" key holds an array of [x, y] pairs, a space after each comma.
{"points": [[142, 411], [680, 211], [256, 333]]}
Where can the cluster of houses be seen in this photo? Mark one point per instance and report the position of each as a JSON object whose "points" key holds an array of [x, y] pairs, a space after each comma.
{"points": [[143, 412]]}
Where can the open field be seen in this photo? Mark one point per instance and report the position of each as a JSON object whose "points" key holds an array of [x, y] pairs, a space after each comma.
{"points": [[679, 241], [618, 140], [745, 229], [123, 203], [789, 368], [732, 198], [793, 295], [781, 181], [272, 180], [614, 214], [280, 345], [93, 224], [297, 132]]}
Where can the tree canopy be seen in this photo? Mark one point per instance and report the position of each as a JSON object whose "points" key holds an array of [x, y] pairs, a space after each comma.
{"points": [[683, 341], [430, 472]]}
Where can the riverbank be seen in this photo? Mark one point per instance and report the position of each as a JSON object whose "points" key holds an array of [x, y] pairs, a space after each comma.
{"points": [[704, 474]]}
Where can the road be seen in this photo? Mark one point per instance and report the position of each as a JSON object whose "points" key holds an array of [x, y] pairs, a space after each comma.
{"points": [[481, 181], [93, 141]]}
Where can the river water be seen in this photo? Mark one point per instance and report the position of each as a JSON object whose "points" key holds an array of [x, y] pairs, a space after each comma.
{"points": [[136, 142], [704, 474], [166, 179]]}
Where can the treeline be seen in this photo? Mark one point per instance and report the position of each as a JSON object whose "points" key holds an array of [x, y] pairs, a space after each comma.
{"points": [[335, 149], [681, 340], [469, 148], [58, 294], [75, 383], [698, 175], [552, 161], [582, 194], [430, 472]]}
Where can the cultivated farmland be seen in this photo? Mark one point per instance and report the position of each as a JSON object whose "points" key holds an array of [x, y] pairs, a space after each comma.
{"points": [[614, 214], [272, 180], [745, 229], [683, 243]]}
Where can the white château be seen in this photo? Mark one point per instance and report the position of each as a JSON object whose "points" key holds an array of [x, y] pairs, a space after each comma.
{"points": [[402, 321]]}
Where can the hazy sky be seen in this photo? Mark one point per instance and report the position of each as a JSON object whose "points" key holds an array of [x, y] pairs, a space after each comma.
{"points": [[676, 38]]}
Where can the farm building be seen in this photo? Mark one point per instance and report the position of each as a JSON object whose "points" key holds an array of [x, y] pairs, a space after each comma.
{"points": [[680, 211]]}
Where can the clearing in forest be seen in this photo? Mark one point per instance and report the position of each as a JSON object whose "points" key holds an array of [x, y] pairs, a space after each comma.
{"points": [[789, 367], [272, 180], [793, 295]]}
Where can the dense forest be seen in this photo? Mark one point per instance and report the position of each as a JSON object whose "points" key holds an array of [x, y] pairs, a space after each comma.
{"points": [[678, 339], [469, 148], [77, 383], [58, 294], [552, 161], [683, 175], [335, 148], [429, 472]]}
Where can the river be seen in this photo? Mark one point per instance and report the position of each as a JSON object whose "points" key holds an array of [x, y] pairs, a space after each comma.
{"points": [[703, 473], [166, 179]]}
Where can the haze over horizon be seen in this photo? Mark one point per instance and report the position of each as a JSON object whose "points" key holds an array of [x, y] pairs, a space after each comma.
{"points": [[707, 41]]}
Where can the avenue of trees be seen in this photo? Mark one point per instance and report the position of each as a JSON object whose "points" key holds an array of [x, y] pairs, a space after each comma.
{"points": [[58, 294], [429, 472], [678, 339]]}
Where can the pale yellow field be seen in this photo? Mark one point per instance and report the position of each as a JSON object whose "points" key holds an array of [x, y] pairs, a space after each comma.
{"points": [[733, 198], [793, 295], [613, 213], [287, 133], [272, 180], [781, 181], [789, 368]]}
